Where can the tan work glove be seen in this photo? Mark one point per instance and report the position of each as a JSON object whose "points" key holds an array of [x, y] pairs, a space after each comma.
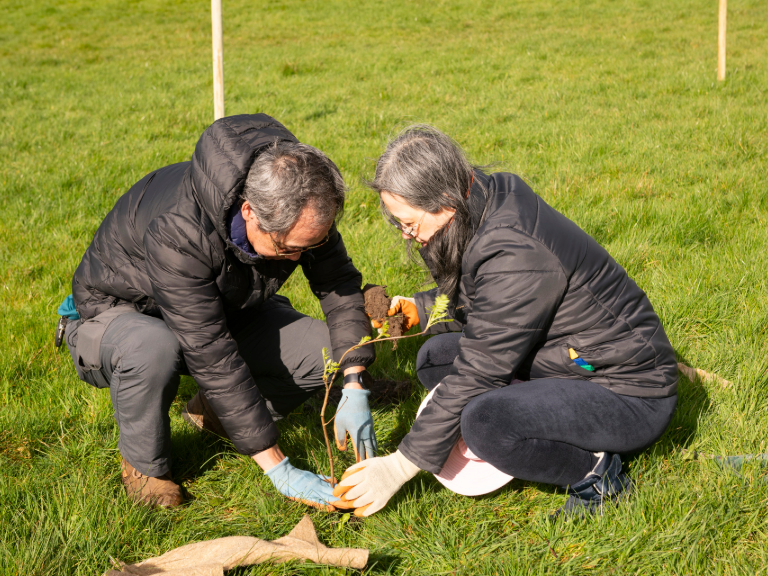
{"points": [[406, 306], [368, 486]]}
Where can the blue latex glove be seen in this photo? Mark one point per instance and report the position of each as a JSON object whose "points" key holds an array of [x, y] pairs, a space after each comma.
{"points": [[302, 485], [354, 416]]}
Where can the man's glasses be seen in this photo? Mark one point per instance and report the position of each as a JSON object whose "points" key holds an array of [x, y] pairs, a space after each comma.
{"points": [[285, 251]]}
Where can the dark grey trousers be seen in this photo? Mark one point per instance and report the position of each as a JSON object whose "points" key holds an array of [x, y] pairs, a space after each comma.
{"points": [[141, 362]]}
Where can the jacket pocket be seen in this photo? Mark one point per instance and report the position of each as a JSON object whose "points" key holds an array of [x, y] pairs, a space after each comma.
{"points": [[88, 348], [627, 355], [584, 366], [95, 378], [85, 342]]}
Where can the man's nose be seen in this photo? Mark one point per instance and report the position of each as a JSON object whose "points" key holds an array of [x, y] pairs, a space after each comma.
{"points": [[293, 257]]}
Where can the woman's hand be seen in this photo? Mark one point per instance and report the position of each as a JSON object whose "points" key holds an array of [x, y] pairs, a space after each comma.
{"points": [[406, 306], [369, 485]]}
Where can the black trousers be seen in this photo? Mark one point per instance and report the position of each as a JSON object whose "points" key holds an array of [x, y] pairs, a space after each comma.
{"points": [[547, 430]]}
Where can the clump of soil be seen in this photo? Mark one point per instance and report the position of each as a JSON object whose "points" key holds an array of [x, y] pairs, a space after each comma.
{"points": [[377, 303]]}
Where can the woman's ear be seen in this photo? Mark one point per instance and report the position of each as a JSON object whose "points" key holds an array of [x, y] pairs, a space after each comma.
{"points": [[446, 213]]}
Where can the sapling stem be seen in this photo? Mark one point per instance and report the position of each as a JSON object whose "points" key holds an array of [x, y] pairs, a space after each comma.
{"points": [[438, 314]]}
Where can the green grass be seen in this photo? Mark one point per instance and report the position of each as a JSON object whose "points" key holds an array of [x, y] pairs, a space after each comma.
{"points": [[609, 109]]}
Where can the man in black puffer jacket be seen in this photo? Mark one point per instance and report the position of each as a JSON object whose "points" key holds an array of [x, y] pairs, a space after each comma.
{"points": [[181, 277]]}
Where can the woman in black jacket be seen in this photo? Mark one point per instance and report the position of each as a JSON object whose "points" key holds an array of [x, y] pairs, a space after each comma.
{"points": [[534, 298]]}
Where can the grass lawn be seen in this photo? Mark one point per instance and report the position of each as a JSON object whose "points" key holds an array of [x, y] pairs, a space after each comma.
{"points": [[611, 112]]}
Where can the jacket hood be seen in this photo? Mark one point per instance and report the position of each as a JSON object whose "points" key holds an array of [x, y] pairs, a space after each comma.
{"points": [[222, 158]]}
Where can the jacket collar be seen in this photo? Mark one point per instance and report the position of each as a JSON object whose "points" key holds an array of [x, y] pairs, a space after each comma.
{"points": [[479, 198], [237, 231]]}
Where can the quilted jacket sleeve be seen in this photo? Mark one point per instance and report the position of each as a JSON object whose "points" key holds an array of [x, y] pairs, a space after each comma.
{"points": [[181, 269], [518, 286], [337, 284]]}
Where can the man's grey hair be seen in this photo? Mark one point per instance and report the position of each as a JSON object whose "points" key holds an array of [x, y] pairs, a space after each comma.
{"points": [[430, 171], [287, 178]]}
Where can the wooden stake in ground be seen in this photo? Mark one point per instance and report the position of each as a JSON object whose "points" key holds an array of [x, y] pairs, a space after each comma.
{"points": [[694, 374], [721, 40], [218, 60]]}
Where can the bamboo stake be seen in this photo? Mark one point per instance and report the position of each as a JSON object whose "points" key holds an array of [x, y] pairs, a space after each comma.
{"points": [[721, 40], [694, 374], [218, 60]]}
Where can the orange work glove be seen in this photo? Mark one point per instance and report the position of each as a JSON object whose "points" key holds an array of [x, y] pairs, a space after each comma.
{"points": [[406, 306]]}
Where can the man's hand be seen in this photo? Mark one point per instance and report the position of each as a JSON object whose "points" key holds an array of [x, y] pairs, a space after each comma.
{"points": [[406, 306], [353, 416], [301, 485], [369, 485]]}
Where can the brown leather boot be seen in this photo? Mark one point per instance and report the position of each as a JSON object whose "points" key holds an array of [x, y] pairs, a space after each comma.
{"points": [[162, 491], [200, 414]]}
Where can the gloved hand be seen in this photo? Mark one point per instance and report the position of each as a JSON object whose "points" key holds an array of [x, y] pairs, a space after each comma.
{"points": [[301, 485], [369, 485], [354, 416], [406, 306]]}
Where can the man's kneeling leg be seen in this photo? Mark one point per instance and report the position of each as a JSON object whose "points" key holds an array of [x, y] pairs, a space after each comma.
{"points": [[142, 361]]}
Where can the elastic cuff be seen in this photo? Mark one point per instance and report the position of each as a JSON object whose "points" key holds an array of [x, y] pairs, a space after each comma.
{"points": [[264, 437], [362, 360], [355, 392], [421, 308], [420, 462], [408, 467], [260, 450]]}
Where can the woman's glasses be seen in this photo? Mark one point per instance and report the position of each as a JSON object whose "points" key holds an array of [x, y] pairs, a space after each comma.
{"points": [[411, 231]]}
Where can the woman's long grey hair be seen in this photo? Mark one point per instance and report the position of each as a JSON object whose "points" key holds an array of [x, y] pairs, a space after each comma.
{"points": [[428, 170]]}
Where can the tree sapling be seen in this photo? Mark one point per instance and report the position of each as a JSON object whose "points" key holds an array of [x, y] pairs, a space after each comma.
{"points": [[438, 313]]}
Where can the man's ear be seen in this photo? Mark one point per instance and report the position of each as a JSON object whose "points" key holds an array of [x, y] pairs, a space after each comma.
{"points": [[246, 211]]}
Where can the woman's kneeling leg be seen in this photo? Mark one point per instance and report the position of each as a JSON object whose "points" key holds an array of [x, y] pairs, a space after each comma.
{"points": [[548, 430], [435, 358]]}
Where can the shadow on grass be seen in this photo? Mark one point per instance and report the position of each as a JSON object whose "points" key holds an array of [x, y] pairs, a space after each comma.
{"points": [[692, 402], [387, 563], [194, 452], [377, 563]]}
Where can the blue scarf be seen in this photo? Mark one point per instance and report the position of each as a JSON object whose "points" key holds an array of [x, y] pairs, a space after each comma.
{"points": [[237, 233]]}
